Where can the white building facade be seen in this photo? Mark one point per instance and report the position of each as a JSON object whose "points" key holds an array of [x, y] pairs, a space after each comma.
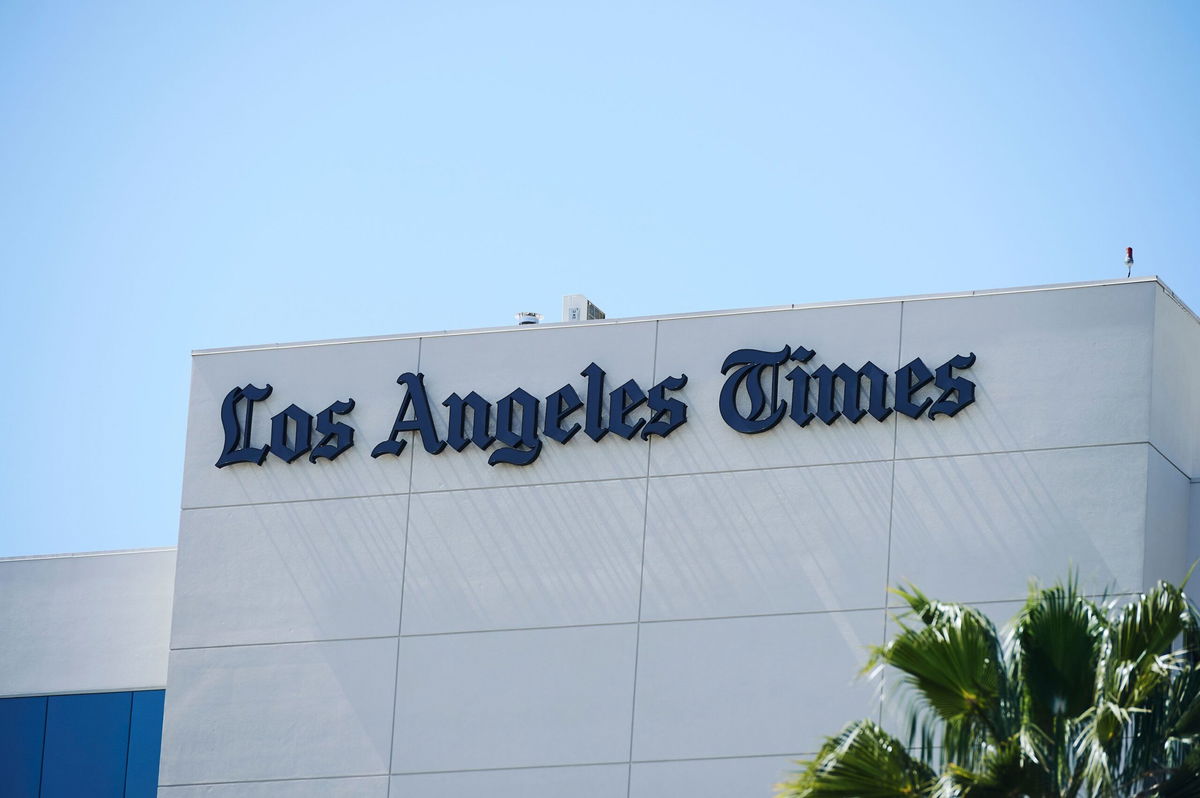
{"points": [[665, 575]]}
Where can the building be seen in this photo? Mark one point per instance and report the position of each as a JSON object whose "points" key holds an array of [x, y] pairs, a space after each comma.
{"points": [[660, 579]]}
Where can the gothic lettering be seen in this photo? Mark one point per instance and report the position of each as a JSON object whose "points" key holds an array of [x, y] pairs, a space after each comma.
{"points": [[336, 436], [243, 453], [421, 422]]}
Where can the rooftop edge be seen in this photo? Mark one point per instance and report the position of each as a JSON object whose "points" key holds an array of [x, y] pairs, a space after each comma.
{"points": [[80, 554], [700, 314]]}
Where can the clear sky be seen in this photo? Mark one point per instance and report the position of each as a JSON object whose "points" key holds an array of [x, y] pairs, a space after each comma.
{"points": [[179, 176]]}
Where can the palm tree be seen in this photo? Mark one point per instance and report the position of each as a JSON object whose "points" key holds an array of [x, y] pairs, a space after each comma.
{"points": [[1079, 698]]}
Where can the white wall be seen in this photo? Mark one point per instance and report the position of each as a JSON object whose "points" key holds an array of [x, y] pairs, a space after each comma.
{"points": [[1175, 436], [84, 623], [626, 618]]}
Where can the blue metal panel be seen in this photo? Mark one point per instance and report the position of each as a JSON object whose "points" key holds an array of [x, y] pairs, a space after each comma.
{"points": [[22, 730], [87, 741], [145, 740]]}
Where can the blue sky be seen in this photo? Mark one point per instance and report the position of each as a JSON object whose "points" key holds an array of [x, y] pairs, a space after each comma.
{"points": [[181, 176]]}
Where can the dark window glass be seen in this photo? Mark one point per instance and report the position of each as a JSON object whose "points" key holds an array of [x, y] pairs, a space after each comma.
{"points": [[22, 729], [145, 740], [87, 740]]}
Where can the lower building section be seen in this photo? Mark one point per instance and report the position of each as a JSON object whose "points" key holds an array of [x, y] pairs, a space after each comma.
{"points": [[100, 745]]}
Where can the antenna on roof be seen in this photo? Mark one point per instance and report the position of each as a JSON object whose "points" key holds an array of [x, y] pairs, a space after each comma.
{"points": [[1128, 261]]}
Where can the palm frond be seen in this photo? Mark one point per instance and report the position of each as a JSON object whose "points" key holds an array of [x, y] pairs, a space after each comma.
{"points": [[1079, 699], [955, 663], [1003, 772], [1057, 636], [1149, 626], [863, 761]]}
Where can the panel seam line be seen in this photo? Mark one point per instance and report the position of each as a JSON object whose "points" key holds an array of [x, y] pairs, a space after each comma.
{"points": [[412, 459], [637, 634], [680, 474], [887, 571]]}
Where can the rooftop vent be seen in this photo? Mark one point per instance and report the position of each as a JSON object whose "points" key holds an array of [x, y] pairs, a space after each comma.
{"points": [[528, 317], [576, 307]]}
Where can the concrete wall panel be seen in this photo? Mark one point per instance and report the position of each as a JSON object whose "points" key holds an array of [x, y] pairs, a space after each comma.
{"points": [[1053, 368], [303, 710], [514, 699], [85, 623], [371, 787], [746, 686], [539, 360], [748, 777], [1193, 555], [1167, 504], [698, 347], [312, 378], [756, 542], [293, 572], [978, 528], [1175, 399], [506, 558], [594, 781]]}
